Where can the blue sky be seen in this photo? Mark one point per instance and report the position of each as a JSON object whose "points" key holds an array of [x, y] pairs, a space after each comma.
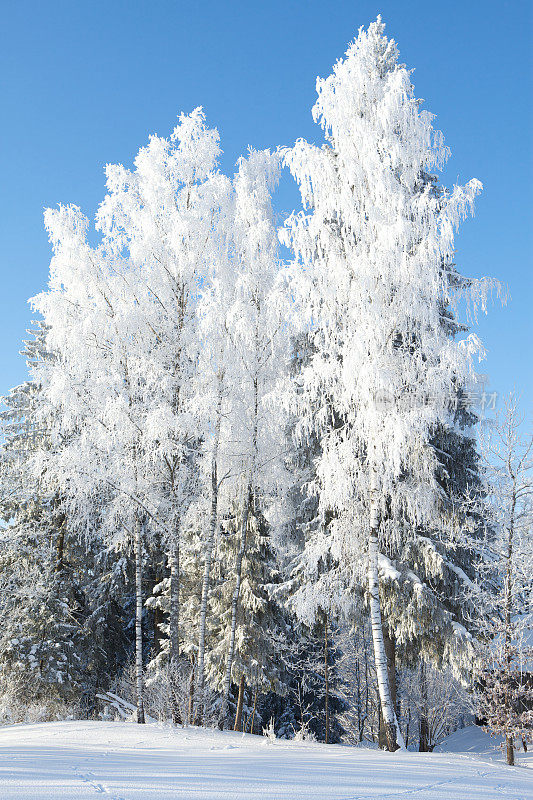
{"points": [[85, 83]]}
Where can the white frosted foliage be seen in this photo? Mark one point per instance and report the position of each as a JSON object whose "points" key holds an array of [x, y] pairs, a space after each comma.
{"points": [[372, 271]]}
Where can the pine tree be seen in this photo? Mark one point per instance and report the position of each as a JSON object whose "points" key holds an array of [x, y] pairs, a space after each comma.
{"points": [[48, 653]]}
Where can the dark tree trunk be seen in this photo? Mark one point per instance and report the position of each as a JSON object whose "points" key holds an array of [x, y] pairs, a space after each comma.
{"points": [[240, 700], [60, 543], [390, 650], [251, 728], [326, 677], [174, 619], [158, 621], [191, 694], [235, 604], [423, 742], [510, 750], [138, 623]]}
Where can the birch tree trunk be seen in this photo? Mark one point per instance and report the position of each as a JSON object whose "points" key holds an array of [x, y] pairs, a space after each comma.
{"points": [[138, 623], [390, 652], [235, 606], [508, 611], [174, 561], [392, 729], [240, 556], [208, 560]]}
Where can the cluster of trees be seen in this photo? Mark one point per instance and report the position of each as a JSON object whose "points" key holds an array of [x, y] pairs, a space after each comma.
{"points": [[243, 488]]}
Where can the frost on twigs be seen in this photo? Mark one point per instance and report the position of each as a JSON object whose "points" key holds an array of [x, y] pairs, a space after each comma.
{"points": [[375, 285], [373, 279], [269, 732]]}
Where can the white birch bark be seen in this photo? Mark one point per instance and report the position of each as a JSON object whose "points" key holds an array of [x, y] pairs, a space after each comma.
{"points": [[392, 729], [208, 557], [235, 605], [240, 556], [138, 623], [508, 604]]}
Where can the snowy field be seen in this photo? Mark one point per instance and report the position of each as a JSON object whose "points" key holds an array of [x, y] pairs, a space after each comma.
{"points": [[124, 761]]}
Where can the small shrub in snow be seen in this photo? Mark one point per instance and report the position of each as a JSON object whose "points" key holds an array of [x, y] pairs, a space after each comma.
{"points": [[303, 734], [269, 731]]}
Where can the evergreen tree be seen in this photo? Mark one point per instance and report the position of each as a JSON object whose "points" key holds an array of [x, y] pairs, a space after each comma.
{"points": [[260, 624], [61, 606]]}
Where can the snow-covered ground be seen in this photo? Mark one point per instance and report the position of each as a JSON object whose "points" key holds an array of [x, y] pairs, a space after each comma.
{"points": [[125, 761]]}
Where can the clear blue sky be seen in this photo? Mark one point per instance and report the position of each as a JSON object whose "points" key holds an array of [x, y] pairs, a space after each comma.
{"points": [[85, 83]]}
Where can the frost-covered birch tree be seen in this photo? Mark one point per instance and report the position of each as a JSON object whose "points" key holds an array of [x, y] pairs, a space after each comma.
{"points": [[94, 385], [122, 317], [504, 590], [169, 218], [373, 268]]}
